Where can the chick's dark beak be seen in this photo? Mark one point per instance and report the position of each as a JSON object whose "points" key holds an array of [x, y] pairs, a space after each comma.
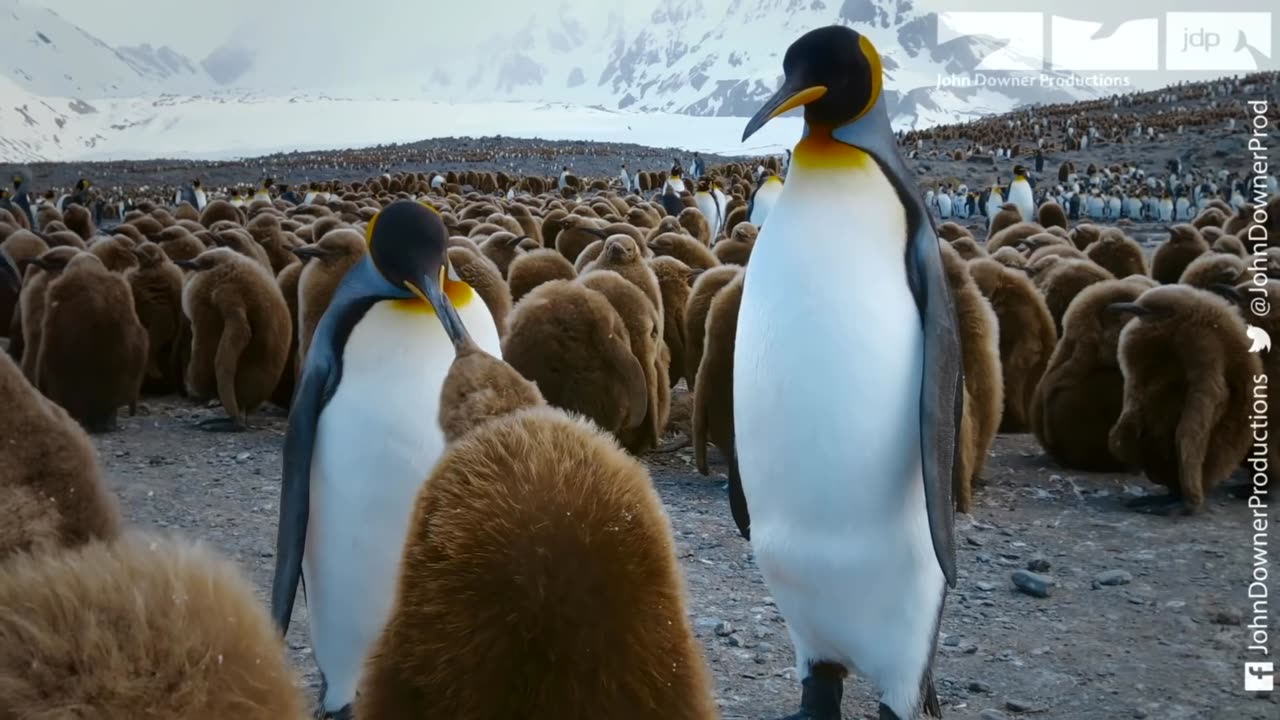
{"points": [[1133, 308], [791, 95], [308, 251], [429, 288]]}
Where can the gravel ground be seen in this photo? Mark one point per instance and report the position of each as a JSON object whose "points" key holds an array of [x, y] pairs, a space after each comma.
{"points": [[1145, 618]]}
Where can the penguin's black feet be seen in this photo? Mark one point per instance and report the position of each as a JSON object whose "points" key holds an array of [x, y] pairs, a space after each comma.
{"points": [[823, 689], [1167, 504], [343, 714], [222, 425]]}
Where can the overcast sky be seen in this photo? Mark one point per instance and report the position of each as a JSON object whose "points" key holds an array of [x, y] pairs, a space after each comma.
{"points": [[195, 28]]}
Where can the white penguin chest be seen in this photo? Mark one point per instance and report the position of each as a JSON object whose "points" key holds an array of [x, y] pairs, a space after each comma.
{"points": [[381, 423], [828, 352]]}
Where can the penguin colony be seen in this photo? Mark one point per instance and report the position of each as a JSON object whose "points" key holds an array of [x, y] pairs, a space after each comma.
{"points": [[472, 362]]}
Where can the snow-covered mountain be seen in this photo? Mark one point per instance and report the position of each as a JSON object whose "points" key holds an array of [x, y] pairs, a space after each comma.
{"points": [[66, 94], [697, 57], [45, 54]]}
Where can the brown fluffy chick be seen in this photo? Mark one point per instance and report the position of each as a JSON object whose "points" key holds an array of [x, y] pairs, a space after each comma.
{"points": [[736, 248], [588, 255], [139, 628], [695, 223], [93, 348], [51, 490], [1008, 216], [27, 321], [968, 248], [482, 275], [644, 328], [157, 296], [532, 269], [1214, 269], [713, 396], [1051, 214], [479, 632], [685, 249], [952, 231], [1118, 254], [116, 253], [1063, 281], [983, 384], [1010, 258], [1082, 390], [1027, 336], [1011, 235], [479, 388], [622, 255], [569, 340], [502, 248], [1188, 379], [327, 263], [576, 234], [698, 307], [240, 334], [1175, 254], [673, 281]]}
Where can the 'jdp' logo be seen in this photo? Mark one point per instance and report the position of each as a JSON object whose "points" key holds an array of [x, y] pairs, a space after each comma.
{"points": [[1217, 41]]}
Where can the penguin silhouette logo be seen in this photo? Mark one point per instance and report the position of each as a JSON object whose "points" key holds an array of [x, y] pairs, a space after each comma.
{"points": [[1261, 340]]}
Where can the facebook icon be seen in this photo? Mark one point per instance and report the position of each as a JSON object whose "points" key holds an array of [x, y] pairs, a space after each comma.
{"points": [[1258, 677]]}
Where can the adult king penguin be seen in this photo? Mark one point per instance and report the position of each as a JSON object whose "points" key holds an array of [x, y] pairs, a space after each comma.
{"points": [[1020, 194], [363, 436], [848, 466]]}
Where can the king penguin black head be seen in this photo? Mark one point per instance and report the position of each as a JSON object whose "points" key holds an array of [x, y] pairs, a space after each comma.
{"points": [[834, 72], [409, 247]]}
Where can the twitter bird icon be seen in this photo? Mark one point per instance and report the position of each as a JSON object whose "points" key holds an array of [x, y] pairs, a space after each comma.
{"points": [[1261, 340]]}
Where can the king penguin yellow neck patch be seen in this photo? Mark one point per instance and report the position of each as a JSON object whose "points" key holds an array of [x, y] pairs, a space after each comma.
{"points": [[819, 151], [459, 293]]}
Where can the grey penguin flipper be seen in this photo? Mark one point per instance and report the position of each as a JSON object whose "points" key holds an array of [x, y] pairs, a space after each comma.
{"points": [[942, 385], [737, 498], [941, 391], [314, 390], [321, 372]]}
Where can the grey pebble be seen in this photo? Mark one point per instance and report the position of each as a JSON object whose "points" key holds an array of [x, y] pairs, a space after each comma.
{"points": [[1039, 565], [1021, 706], [979, 687], [992, 715], [1032, 584], [1112, 578], [985, 586], [706, 623], [724, 629], [1226, 616]]}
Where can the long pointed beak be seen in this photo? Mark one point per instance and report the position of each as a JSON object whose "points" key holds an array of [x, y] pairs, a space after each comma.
{"points": [[429, 289], [1134, 308], [788, 97]]}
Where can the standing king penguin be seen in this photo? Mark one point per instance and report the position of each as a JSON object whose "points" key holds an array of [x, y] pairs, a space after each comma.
{"points": [[847, 466], [1020, 194], [363, 436]]}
